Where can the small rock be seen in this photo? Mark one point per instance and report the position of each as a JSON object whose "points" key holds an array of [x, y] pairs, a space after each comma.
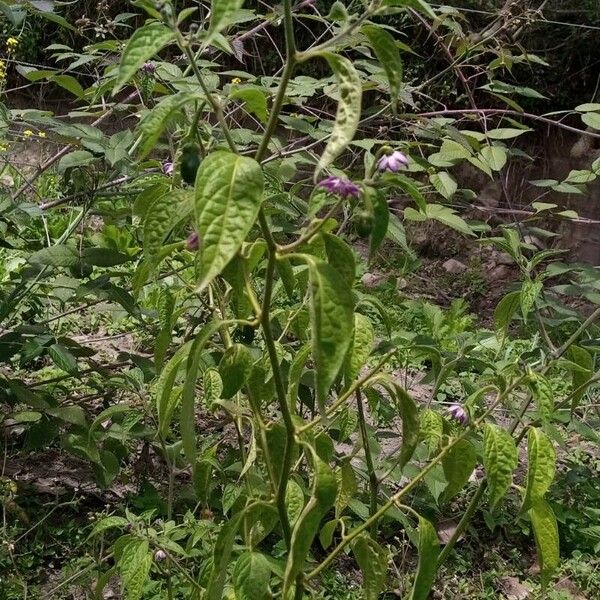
{"points": [[373, 280], [499, 272], [503, 258], [446, 529], [454, 267], [512, 588]]}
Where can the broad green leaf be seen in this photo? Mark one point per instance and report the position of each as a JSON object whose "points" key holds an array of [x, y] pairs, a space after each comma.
{"points": [[545, 531], [142, 46], [295, 373], [234, 368], [505, 311], [530, 290], [347, 487], [429, 549], [255, 100], [341, 257], [543, 395], [362, 345], [591, 119], [458, 464], [62, 358], [444, 183], [494, 156], [418, 5], [410, 424], [221, 12], [251, 577], [583, 359], [187, 417], [55, 256], [327, 532], [505, 133], [161, 217], [387, 53], [332, 324], [294, 501], [134, 568], [108, 523], [156, 119], [77, 158], [448, 217], [431, 428], [348, 111], [372, 559], [381, 215], [323, 494], [70, 84], [212, 386], [229, 192], [541, 466], [500, 459]]}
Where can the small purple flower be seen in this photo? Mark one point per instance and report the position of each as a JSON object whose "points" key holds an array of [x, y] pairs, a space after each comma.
{"points": [[459, 414], [393, 162], [168, 167], [340, 186], [160, 555], [148, 68], [193, 242]]}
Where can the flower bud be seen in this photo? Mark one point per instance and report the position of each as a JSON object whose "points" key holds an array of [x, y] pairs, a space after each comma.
{"points": [[159, 556], [193, 242]]}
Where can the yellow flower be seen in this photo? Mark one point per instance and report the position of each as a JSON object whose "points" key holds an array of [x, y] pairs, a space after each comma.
{"points": [[27, 133], [3, 147], [236, 81], [42, 134], [11, 43]]}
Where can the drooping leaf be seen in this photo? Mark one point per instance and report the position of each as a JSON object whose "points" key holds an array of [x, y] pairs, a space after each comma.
{"points": [[348, 111], [530, 291], [500, 459], [340, 257], [505, 311], [294, 501], [372, 559], [229, 192], [444, 183], [458, 464], [134, 567], [221, 12], [251, 577], [362, 346], [541, 466], [381, 215], [234, 368], [332, 324], [388, 55], [494, 156], [431, 428], [543, 395], [429, 548], [410, 424], [323, 493], [347, 487], [582, 358], [142, 46], [545, 531]]}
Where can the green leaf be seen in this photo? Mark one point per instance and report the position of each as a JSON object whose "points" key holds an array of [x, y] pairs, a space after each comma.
{"points": [[332, 324], [235, 368], [62, 358], [221, 12], [447, 216], [348, 111], [458, 465], [187, 417], [161, 217], [323, 494], [141, 47], [347, 487], [372, 560], [251, 577], [542, 395], [545, 531], [387, 53], [429, 549], [255, 100], [55, 256], [505, 133], [78, 158], [500, 459], [591, 119], [419, 5], [582, 358], [444, 183], [340, 257], [294, 501], [431, 428], [212, 385], [70, 84], [381, 215], [104, 257], [229, 192], [410, 424], [134, 568], [541, 466], [505, 311], [108, 523], [494, 156], [530, 290], [362, 346]]}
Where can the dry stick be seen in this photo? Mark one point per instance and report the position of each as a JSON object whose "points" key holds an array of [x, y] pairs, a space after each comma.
{"points": [[66, 149]]}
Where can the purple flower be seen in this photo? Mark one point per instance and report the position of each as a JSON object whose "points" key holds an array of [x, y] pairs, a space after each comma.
{"points": [[459, 414], [148, 68], [340, 186], [193, 242], [160, 555], [393, 162], [167, 168]]}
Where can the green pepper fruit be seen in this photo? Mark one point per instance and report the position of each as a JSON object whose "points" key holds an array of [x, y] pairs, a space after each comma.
{"points": [[190, 161], [363, 223], [81, 270]]}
